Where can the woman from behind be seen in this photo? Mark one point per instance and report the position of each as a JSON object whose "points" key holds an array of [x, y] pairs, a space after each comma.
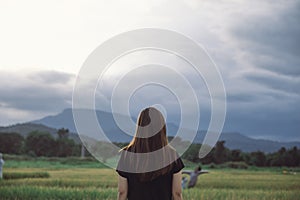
{"points": [[149, 168]]}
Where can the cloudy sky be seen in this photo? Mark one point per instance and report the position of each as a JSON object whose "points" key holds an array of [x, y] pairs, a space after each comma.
{"points": [[255, 44]]}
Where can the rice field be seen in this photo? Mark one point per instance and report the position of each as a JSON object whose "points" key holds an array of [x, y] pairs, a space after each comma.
{"points": [[97, 182]]}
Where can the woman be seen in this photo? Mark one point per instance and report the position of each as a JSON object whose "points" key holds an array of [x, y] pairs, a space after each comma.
{"points": [[149, 168]]}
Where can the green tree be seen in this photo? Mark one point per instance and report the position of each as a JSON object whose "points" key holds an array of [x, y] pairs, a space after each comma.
{"points": [[11, 143], [284, 157], [192, 153], [236, 155], [295, 156], [209, 158], [40, 143], [220, 153], [246, 157], [63, 133], [277, 158], [65, 147], [258, 158]]}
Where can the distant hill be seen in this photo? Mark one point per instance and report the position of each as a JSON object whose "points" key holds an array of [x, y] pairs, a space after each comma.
{"points": [[247, 144], [25, 128], [234, 140], [64, 119]]}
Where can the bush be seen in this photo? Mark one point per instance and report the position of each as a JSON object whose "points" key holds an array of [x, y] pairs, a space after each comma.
{"points": [[14, 175], [236, 165], [233, 165], [77, 161], [212, 166], [17, 157]]}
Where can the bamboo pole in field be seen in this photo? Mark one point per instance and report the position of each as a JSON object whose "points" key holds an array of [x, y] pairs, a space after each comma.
{"points": [[82, 151]]}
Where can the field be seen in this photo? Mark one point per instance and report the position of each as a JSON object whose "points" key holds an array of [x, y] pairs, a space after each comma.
{"points": [[75, 179]]}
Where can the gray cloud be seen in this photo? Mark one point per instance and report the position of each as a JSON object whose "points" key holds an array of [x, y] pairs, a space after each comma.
{"points": [[241, 98], [262, 75], [51, 77], [39, 91], [282, 83], [271, 40]]}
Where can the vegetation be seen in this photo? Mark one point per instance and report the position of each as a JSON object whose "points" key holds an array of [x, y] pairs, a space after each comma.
{"points": [[16, 175], [11, 143], [41, 166], [16, 162], [39, 144], [88, 181], [220, 155]]}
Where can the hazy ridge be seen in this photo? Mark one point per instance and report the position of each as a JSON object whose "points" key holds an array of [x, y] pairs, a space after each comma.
{"points": [[234, 140]]}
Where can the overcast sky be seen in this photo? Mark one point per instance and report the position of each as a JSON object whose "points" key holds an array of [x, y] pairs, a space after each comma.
{"points": [[255, 44]]}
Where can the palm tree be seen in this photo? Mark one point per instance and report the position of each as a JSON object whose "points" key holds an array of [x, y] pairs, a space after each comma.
{"points": [[63, 133]]}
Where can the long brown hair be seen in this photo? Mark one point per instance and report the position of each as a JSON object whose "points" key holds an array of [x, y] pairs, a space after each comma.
{"points": [[150, 136]]}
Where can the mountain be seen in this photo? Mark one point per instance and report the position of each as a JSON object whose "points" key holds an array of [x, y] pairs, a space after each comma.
{"points": [[64, 119], [106, 120], [234, 140], [247, 144]]}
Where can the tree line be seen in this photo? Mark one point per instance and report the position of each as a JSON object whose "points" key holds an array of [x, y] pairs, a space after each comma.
{"points": [[44, 144], [220, 155], [39, 143]]}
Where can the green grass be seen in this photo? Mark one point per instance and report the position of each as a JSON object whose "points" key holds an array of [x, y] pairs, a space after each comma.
{"points": [[70, 179], [14, 175], [36, 192], [51, 163]]}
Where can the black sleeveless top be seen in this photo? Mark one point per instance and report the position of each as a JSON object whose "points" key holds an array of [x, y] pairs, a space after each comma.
{"points": [[159, 188]]}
